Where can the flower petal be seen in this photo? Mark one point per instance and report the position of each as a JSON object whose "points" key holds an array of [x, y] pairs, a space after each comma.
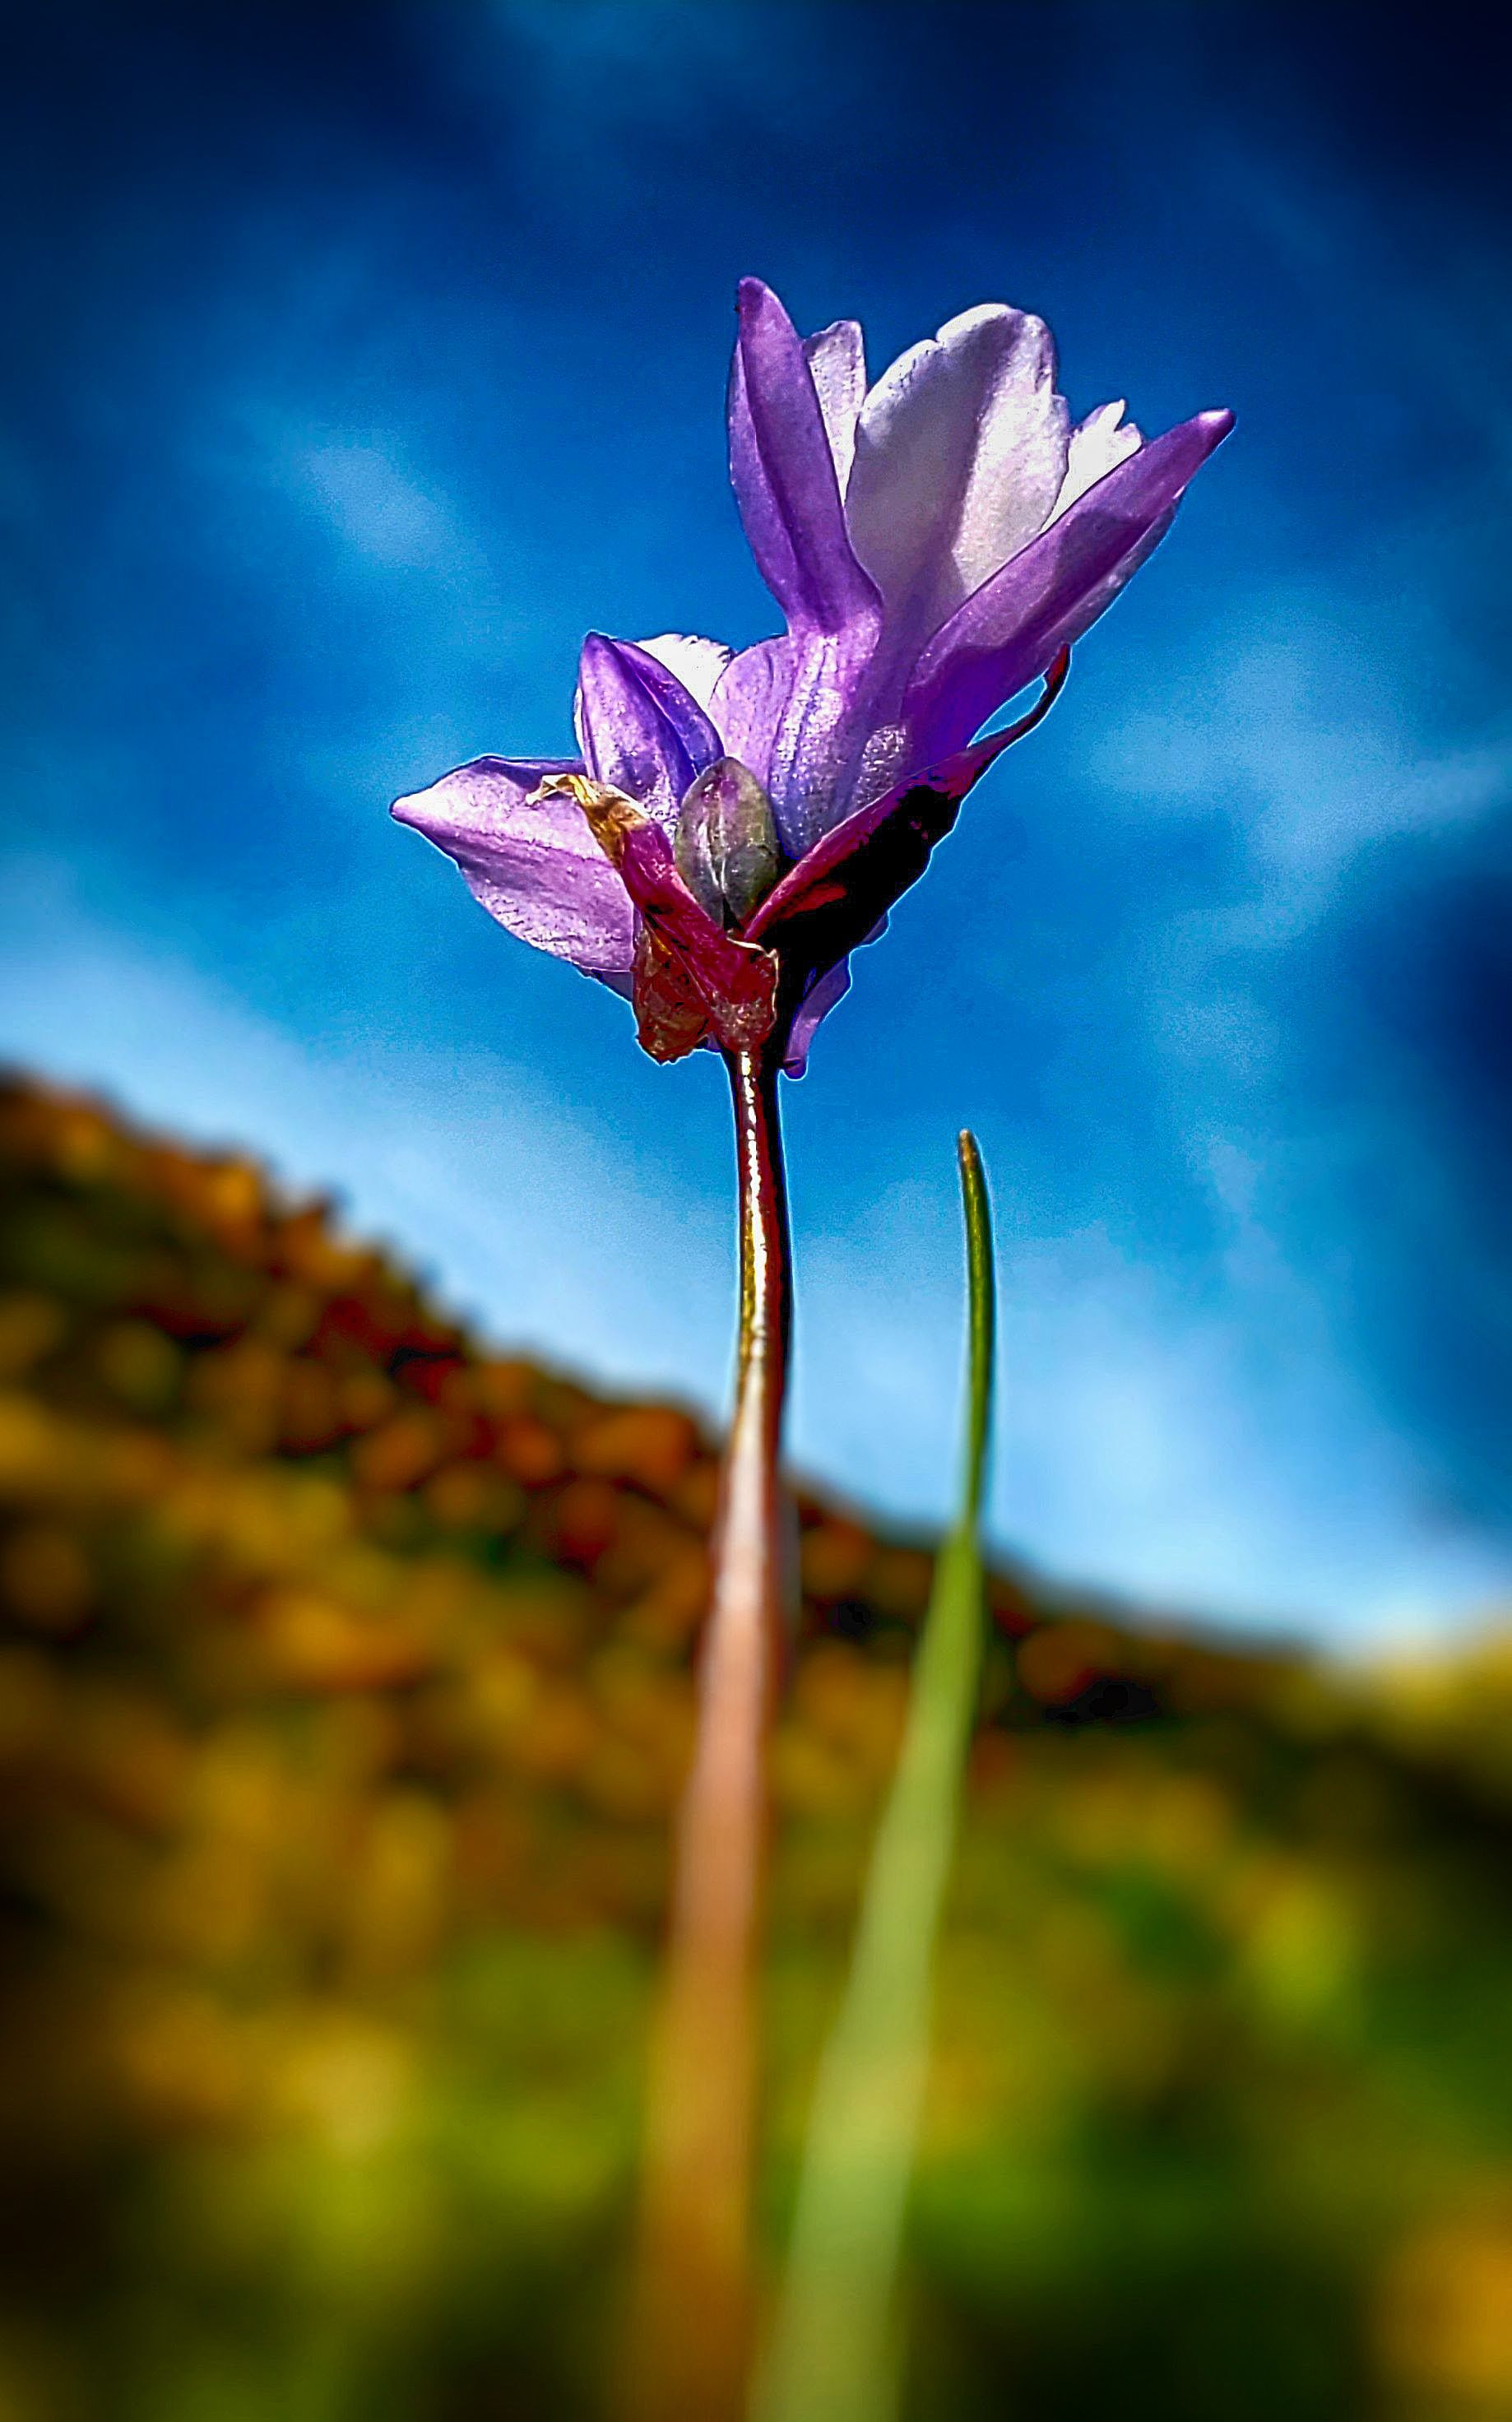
{"points": [[640, 731], [536, 868], [1052, 591], [790, 711], [697, 663], [784, 476], [960, 454], [836, 357], [1099, 445], [836, 897], [822, 996], [747, 704]]}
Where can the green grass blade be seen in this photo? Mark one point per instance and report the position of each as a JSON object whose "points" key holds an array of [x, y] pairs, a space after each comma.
{"points": [[834, 2355]]}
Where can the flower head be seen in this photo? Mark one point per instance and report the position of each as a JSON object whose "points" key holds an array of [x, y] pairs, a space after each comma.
{"points": [[935, 543]]}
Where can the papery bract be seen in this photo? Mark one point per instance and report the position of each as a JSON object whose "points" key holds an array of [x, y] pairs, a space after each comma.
{"points": [[691, 981]]}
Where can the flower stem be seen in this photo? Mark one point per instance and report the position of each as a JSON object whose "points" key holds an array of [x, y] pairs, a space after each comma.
{"points": [[834, 2355], [692, 2311]]}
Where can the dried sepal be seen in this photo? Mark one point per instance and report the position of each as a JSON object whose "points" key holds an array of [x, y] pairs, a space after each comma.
{"points": [[611, 816], [735, 982], [671, 1015]]}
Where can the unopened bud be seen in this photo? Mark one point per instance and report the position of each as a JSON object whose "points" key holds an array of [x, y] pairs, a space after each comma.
{"points": [[726, 847]]}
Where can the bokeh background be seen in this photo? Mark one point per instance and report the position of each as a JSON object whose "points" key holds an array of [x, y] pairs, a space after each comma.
{"points": [[362, 357], [345, 1694], [359, 361]]}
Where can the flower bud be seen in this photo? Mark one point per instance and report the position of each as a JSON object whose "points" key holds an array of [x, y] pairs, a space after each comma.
{"points": [[727, 846]]}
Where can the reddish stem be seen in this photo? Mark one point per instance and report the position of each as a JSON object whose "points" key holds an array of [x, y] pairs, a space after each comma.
{"points": [[692, 2319]]}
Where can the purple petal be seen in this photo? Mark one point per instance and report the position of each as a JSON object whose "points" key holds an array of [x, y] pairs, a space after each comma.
{"points": [[784, 475], [1054, 589], [821, 998], [673, 700], [960, 455], [834, 898], [640, 731], [793, 709], [1099, 445], [536, 868], [836, 357], [697, 663], [748, 698]]}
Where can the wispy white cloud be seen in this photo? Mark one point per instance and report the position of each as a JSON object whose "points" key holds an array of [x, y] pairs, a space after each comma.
{"points": [[1307, 738], [378, 507], [1199, 1450]]}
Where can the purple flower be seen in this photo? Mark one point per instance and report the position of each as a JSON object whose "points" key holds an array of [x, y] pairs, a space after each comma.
{"points": [[935, 543]]}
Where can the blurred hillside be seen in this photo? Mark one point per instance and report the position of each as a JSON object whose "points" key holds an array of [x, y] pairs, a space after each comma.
{"points": [[344, 1692]]}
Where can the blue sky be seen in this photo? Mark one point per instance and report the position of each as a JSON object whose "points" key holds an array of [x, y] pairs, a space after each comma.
{"points": [[369, 355]]}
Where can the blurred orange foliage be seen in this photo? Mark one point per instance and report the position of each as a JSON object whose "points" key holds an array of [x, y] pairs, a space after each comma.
{"points": [[345, 1692]]}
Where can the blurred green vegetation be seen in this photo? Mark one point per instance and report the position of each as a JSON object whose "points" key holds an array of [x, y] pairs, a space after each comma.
{"points": [[344, 1692]]}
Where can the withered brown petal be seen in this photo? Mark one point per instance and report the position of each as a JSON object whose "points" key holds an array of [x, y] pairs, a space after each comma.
{"points": [[671, 1019], [736, 982]]}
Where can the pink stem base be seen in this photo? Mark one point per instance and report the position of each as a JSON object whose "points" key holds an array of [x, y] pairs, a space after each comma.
{"points": [[692, 2311]]}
